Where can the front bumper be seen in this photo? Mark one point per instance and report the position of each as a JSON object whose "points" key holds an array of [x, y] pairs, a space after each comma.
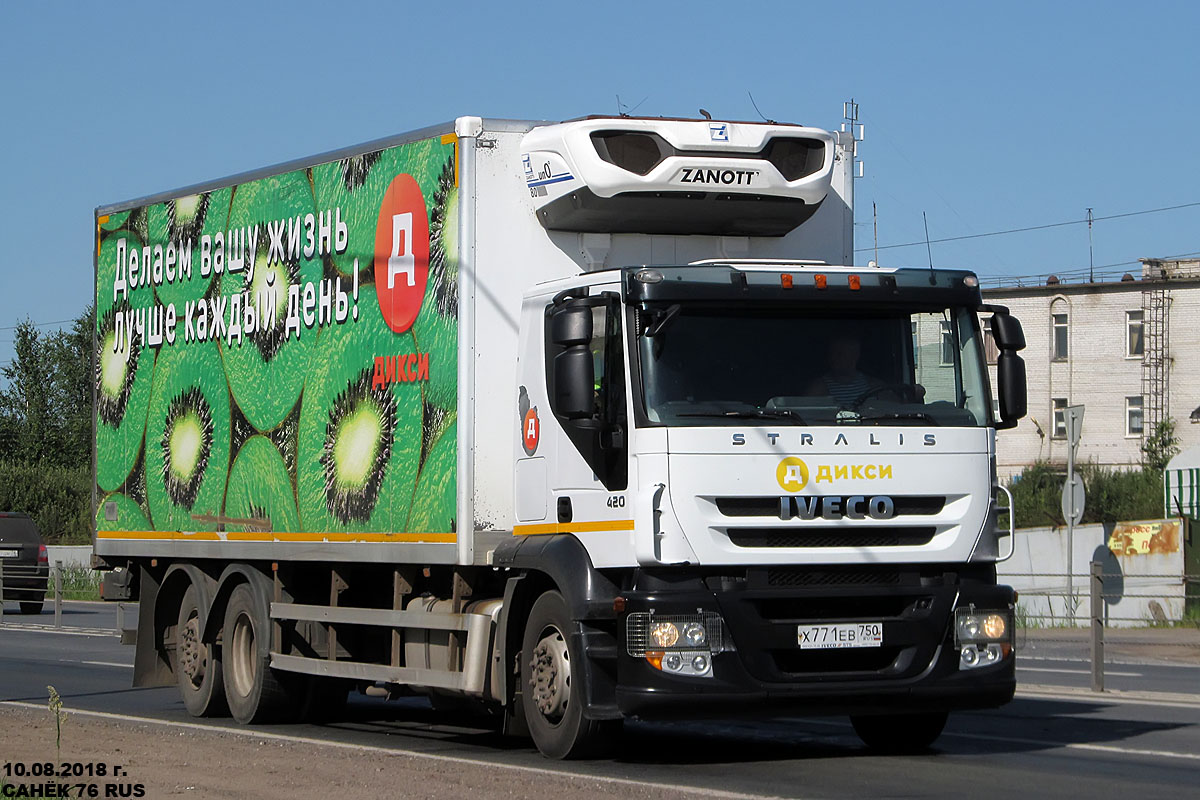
{"points": [[766, 673]]}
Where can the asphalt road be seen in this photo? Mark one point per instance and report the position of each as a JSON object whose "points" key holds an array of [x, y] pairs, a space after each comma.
{"points": [[1053, 743]]}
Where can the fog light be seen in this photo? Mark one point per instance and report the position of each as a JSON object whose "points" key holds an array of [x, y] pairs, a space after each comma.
{"points": [[673, 662], [664, 634], [970, 656], [693, 634], [700, 663]]}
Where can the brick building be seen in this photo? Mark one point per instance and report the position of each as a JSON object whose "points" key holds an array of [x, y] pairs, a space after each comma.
{"points": [[1127, 349]]}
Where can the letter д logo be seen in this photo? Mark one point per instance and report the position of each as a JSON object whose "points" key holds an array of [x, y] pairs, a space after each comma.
{"points": [[792, 474]]}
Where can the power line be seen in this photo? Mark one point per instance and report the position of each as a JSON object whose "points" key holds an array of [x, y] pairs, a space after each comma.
{"points": [[57, 322], [1032, 227]]}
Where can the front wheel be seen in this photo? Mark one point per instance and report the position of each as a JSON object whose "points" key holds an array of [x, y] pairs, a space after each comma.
{"points": [[553, 707], [900, 733]]}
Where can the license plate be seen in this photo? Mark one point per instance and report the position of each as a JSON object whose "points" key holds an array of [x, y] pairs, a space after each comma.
{"points": [[835, 637], [9, 553]]}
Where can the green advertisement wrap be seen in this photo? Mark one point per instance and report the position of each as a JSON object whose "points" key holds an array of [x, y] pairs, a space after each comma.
{"points": [[279, 357]]}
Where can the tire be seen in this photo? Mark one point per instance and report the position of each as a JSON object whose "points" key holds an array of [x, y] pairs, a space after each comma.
{"points": [[197, 668], [553, 708], [31, 606], [254, 691], [900, 733]]}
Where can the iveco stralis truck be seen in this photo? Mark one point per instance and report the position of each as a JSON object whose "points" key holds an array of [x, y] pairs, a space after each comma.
{"points": [[571, 422]]}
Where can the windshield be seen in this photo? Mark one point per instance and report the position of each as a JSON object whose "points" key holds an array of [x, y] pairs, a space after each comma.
{"points": [[700, 366]]}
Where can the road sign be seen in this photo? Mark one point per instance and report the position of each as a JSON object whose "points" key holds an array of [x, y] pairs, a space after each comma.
{"points": [[1074, 418], [1073, 499]]}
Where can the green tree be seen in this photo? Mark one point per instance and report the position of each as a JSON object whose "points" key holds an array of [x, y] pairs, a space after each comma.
{"points": [[1161, 446]]}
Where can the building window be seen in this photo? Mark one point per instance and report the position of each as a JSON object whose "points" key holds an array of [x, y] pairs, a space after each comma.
{"points": [[1135, 341], [1133, 415], [947, 343], [1060, 417], [990, 351], [1058, 341]]}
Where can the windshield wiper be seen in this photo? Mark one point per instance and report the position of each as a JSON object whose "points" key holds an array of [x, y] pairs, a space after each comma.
{"points": [[758, 413], [900, 415]]}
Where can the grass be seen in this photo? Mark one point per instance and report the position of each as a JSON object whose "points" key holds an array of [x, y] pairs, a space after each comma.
{"points": [[78, 583]]}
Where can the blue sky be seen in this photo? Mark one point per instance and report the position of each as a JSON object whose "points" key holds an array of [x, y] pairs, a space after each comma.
{"points": [[986, 117]]}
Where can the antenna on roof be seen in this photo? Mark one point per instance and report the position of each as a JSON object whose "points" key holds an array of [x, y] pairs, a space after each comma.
{"points": [[928, 249], [705, 114], [621, 112], [1091, 266], [764, 118]]}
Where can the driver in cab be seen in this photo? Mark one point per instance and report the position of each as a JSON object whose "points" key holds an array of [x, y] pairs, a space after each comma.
{"points": [[844, 381]]}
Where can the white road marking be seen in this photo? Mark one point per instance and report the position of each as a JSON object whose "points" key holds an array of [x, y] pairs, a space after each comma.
{"points": [[1104, 748], [1107, 672], [362, 748], [27, 628], [1109, 698], [108, 664]]}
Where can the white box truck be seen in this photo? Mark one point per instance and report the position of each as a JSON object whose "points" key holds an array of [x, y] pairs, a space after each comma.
{"points": [[574, 422]]}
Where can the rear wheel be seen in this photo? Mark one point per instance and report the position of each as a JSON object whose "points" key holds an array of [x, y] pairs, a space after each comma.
{"points": [[254, 691], [900, 733], [197, 668], [553, 707], [31, 606]]}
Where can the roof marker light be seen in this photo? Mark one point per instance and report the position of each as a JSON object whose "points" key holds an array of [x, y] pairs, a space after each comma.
{"points": [[855, 283], [820, 281], [785, 280]]}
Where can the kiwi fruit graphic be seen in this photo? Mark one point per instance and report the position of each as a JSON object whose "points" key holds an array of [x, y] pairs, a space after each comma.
{"points": [[115, 221], [122, 383], [359, 443], [260, 488], [186, 219], [433, 508], [436, 326], [187, 437], [266, 358], [130, 516]]}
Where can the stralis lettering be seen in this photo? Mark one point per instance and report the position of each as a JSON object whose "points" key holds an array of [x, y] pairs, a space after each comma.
{"points": [[727, 177]]}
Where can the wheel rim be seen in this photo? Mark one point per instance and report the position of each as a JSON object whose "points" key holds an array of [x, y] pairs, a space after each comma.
{"points": [[193, 655], [550, 677], [244, 663]]}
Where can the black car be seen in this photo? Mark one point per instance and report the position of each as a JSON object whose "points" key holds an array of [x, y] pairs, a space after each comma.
{"points": [[24, 563]]}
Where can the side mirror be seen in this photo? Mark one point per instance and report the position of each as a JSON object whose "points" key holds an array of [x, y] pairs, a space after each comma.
{"points": [[571, 326], [1007, 331], [574, 383], [1010, 373]]}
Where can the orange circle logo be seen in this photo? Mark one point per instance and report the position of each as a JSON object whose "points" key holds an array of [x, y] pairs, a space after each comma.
{"points": [[401, 253], [792, 474], [531, 431]]}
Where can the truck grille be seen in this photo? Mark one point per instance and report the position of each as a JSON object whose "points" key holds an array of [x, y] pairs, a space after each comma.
{"points": [[856, 536], [832, 576], [911, 505]]}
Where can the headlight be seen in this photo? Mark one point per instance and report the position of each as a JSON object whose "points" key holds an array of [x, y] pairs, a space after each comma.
{"points": [[664, 634], [704, 632], [693, 634], [981, 627]]}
